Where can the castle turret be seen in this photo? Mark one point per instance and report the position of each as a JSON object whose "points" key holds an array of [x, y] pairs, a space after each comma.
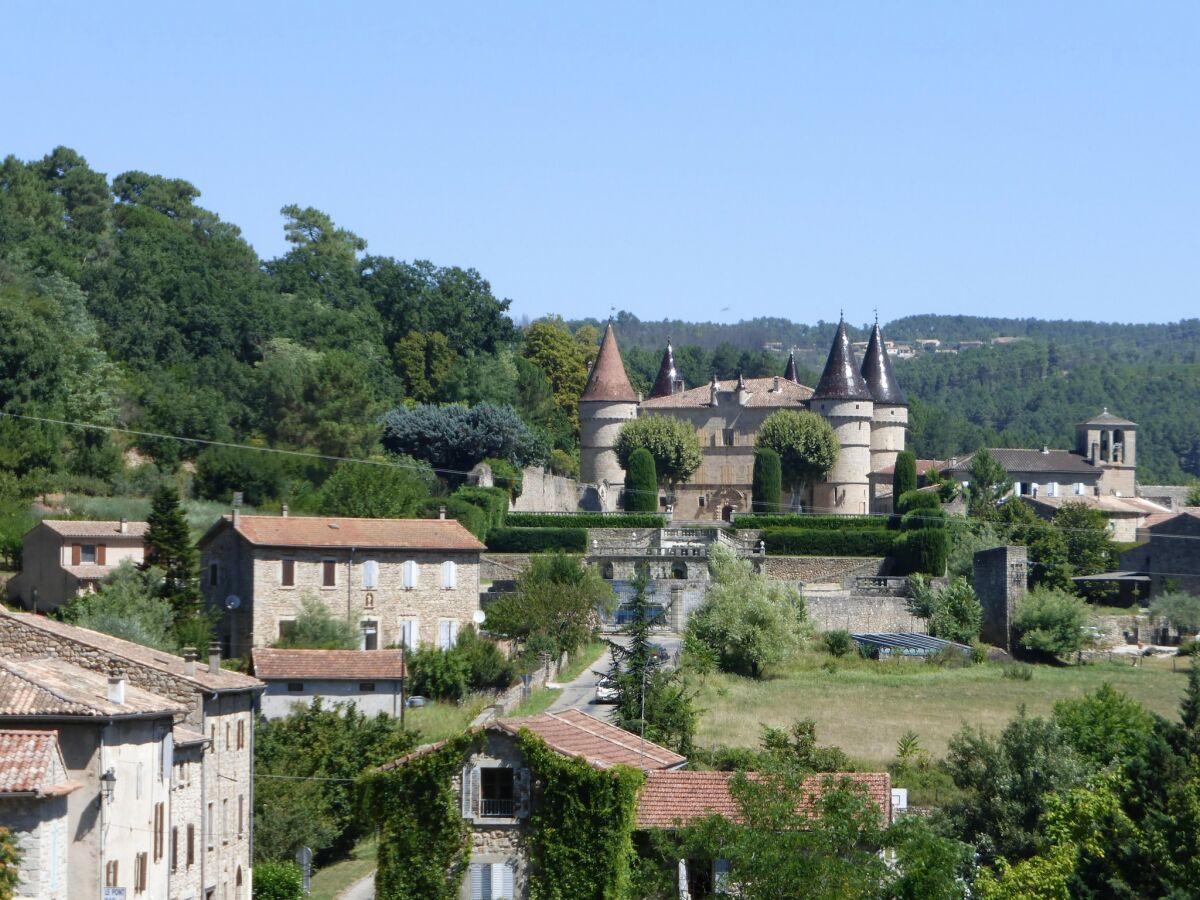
{"points": [[790, 372], [843, 398], [608, 401], [668, 381], [890, 417]]}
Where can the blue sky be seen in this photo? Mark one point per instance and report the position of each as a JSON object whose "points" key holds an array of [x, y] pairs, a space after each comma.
{"points": [[701, 161]]}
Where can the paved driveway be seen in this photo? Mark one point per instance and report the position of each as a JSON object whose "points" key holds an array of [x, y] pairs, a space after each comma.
{"points": [[581, 693]]}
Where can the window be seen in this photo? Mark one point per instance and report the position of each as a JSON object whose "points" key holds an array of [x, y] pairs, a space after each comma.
{"points": [[110, 873], [139, 873], [447, 633], [175, 849], [366, 687], [191, 844], [328, 573], [449, 575], [370, 634], [606, 571], [408, 634], [212, 823], [370, 575], [410, 574], [159, 817], [727, 437], [490, 881], [87, 554], [214, 574], [495, 792], [225, 820], [1079, 489], [295, 687], [241, 814], [228, 742], [241, 734], [287, 573]]}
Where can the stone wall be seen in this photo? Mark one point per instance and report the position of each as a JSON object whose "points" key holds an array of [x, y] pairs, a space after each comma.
{"points": [[187, 805], [228, 780], [497, 841], [40, 827], [502, 566], [543, 492], [999, 580], [832, 610], [822, 569]]}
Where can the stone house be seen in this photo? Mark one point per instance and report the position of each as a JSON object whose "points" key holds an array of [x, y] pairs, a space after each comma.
{"points": [[1126, 515], [494, 789], [211, 823], [34, 786], [1170, 558], [61, 559], [371, 680], [400, 581], [116, 742]]}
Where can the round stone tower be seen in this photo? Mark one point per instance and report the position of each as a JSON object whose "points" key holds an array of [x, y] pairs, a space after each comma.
{"points": [[889, 422], [843, 398], [608, 401]]}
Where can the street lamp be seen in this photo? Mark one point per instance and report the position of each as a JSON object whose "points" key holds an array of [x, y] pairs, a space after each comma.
{"points": [[108, 782]]}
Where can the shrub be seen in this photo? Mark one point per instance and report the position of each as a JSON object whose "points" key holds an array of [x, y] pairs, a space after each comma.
{"points": [[487, 667], [537, 540], [441, 674], [904, 474], [956, 614], [1181, 610], [1189, 648], [767, 484], [492, 501], [921, 551], [811, 523], [220, 471], [316, 628], [911, 500], [278, 881], [1017, 671], [470, 516], [507, 477], [1050, 621], [584, 520], [564, 463], [641, 482], [919, 518], [818, 542], [837, 642]]}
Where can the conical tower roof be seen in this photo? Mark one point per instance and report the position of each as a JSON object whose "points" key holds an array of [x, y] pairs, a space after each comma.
{"points": [[664, 384], [841, 379], [608, 380], [790, 372], [877, 372]]}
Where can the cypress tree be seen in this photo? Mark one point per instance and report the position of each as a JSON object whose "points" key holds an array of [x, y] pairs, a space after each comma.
{"points": [[641, 483], [169, 546], [767, 487], [904, 474]]}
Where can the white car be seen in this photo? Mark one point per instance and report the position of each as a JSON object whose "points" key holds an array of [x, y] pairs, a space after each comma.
{"points": [[606, 691]]}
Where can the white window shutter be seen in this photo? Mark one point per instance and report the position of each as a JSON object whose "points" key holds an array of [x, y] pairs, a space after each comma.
{"points": [[449, 575], [521, 786], [501, 881], [370, 575], [480, 886], [453, 631], [410, 574], [470, 778]]}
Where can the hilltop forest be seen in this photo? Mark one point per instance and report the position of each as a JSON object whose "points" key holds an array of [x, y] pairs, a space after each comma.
{"points": [[127, 305]]}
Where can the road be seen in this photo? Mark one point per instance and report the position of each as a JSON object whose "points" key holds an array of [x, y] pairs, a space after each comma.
{"points": [[581, 693], [363, 889]]}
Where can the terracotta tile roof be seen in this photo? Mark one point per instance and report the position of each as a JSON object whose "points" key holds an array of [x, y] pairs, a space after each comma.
{"points": [[348, 665], [54, 687], [332, 531], [671, 799], [120, 651], [183, 737], [1019, 461], [89, 572], [923, 466], [607, 380], [762, 394], [1107, 418], [575, 733], [70, 528], [31, 763]]}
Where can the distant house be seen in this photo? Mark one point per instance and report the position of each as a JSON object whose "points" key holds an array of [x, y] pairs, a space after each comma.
{"points": [[61, 559], [371, 680], [1126, 515], [34, 785], [1170, 558], [410, 581]]}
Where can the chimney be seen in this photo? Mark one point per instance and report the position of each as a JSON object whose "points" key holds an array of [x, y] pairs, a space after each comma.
{"points": [[713, 387], [441, 512], [237, 517], [775, 390], [116, 688], [284, 510], [189, 661], [123, 528], [214, 657]]}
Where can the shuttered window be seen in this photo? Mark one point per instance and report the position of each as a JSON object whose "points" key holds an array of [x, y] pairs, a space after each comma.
{"points": [[329, 573], [408, 634], [410, 574], [491, 881], [449, 575], [191, 844], [102, 554], [159, 823], [175, 849], [370, 575], [287, 573], [447, 633]]}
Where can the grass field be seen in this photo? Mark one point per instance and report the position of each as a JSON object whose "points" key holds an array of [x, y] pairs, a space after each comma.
{"points": [[864, 707], [437, 721]]}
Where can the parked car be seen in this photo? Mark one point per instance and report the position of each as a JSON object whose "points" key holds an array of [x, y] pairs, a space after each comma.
{"points": [[606, 691], [415, 702]]}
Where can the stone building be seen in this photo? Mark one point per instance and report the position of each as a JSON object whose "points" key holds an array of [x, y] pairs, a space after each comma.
{"points": [[410, 581], [61, 559], [1170, 556], [865, 406], [210, 820], [34, 786], [371, 680]]}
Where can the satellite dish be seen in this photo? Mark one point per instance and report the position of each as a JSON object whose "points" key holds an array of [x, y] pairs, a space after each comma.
{"points": [[479, 615], [233, 601]]}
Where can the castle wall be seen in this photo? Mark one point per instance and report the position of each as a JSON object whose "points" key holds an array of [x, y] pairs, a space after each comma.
{"points": [[999, 578], [888, 427], [846, 488]]}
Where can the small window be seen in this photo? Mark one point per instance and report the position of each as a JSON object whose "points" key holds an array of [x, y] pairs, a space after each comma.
{"points": [[410, 574], [370, 575], [328, 573], [287, 628], [191, 845], [213, 574], [449, 575], [139, 873], [370, 635], [175, 849], [87, 554], [496, 793], [241, 734], [241, 821], [295, 687], [287, 573], [110, 873], [702, 500], [366, 687], [491, 880]]}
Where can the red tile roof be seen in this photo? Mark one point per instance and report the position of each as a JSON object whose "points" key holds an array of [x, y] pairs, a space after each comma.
{"points": [[332, 531], [671, 799], [575, 733], [119, 651], [31, 763], [607, 380], [71, 528], [54, 687], [347, 665]]}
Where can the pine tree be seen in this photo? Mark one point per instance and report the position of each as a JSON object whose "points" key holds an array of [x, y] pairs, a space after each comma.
{"points": [[641, 483], [767, 485], [169, 546]]}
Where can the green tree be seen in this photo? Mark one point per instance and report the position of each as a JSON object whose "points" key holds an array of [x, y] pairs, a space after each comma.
{"points": [[424, 360], [672, 442], [1088, 539], [222, 471], [747, 621], [989, 485], [10, 860], [376, 489], [456, 438], [129, 605], [278, 881], [564, 359], [1105, 726], [1050, 622], [767, 483], [952, 611], [316, 628], [806, 445], [904, 473], [641, 482], [1193, 497], [1180, 609], [169, 547]]}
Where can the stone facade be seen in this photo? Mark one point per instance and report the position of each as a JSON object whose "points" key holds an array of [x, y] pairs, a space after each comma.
{"points": [[187, 817], [40, 826], [822, 569], [1171, 556], [496, 840], [833, 610], [999, 579], [385, 696]]}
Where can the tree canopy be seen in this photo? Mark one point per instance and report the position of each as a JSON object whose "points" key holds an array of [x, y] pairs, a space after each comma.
{"points": [[805, 442], [672, 442]]}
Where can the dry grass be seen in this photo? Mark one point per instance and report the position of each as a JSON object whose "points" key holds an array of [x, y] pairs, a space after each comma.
{"points": [[437, 721], [864, 707]]}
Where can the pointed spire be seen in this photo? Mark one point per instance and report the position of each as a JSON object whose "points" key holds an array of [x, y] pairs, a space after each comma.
{"points": [[877, 372], [607, 380], [841, 380], [664, 384], [790, 372]]}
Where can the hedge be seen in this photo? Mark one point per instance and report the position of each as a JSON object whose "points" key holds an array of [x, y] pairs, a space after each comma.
{"points": [[923, 551], [641, 482], [492, 501], [470, 516], [767, 483], [585, 520], [918, 518], [821, 542], [537, 540], [911, 500], [811, 523]]}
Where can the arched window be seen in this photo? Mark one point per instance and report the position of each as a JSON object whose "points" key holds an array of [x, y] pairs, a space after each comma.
{"points": [[679, 570], [370, 574], [410, 574], [449, 575]]}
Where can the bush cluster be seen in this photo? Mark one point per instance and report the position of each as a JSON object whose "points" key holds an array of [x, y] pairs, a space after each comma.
{"points": [[912, 500], [492, 501], [923, 551], [585, 520], [473, 664], [537, 540], [818, 542], [811, 523], [470, 516]]}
